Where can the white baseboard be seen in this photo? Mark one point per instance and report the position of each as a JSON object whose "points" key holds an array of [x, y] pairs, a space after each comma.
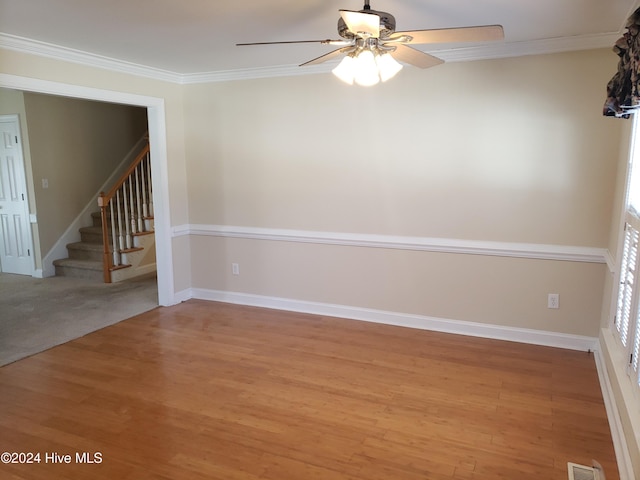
{"points": [[620, 445], [181, 296], [498, 332]]}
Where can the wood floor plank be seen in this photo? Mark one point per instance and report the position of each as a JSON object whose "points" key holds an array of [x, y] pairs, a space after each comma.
{"points": [[206, 390]]}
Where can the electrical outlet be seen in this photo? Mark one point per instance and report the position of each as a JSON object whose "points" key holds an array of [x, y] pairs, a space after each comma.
{"points": [[235, 269], [553, 300]]}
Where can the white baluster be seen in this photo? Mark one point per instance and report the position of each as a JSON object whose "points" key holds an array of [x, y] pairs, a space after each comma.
{"points": [[143, 181], [127, 226], [116, 260], [132, 217], [139, 210], [119, 213]]}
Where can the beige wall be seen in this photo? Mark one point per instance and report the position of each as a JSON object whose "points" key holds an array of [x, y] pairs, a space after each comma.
{"points": [[474, 288], [511, 150]]}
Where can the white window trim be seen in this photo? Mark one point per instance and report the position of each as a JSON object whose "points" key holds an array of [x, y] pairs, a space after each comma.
{"points": [[629, 217]]}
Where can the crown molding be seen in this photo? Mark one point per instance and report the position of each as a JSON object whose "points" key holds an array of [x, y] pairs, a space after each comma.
{"points": [[479, 52], [254, 73], [56, 52]]}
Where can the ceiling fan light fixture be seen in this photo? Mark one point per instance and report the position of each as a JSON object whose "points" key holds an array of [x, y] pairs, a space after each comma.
{"points": [[387, 66], [367, 67], [366, 70], [372, 45], [345, 70]]}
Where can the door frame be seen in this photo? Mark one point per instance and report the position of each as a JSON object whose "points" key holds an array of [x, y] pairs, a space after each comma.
{"points": [[159, 171], [15, 119]]}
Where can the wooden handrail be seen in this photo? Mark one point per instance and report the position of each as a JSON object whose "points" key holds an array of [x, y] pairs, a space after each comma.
{"points": [[104, 200], [106, 255], [109, 195]]}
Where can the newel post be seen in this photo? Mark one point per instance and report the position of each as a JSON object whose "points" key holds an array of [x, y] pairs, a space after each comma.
{"points": [[106, 255]]}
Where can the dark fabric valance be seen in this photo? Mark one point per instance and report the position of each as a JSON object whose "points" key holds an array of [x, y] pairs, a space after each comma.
{"points": [[623, 91]]}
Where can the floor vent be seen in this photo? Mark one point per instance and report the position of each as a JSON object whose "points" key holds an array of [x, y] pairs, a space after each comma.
{"points": [[583, 472]]}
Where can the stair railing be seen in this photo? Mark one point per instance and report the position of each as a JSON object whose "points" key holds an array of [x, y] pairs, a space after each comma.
{"points": [[126, 211]]}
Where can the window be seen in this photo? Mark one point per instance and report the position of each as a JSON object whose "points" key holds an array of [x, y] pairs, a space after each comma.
{"points": [[626, 321], [626, 298]]}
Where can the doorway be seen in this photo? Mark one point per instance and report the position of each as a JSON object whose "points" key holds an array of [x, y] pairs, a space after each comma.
{"points": [[158, 142]]}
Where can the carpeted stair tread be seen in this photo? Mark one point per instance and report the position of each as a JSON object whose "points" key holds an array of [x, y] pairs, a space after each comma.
{"points": [[79, 268], [92, 234], [77, 263], [94, 247], [86, 251], [91, 230]]}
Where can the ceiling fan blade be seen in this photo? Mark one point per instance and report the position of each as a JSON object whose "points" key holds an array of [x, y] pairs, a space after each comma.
{"points": [[450, 35], [325, 42], [361, 23], [415, 57], [328, 56]]}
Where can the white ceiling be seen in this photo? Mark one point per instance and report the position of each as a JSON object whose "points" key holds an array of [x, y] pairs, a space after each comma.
{"points": [[194, 39]]}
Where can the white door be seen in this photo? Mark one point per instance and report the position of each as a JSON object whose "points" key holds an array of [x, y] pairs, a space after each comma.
{"points": [[16, 251]]}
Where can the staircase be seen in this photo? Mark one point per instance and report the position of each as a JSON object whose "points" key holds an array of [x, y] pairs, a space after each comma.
{"points": [[85, 256], [120, 243]]}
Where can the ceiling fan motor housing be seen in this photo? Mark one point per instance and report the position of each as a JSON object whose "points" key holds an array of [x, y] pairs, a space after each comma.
{"points": [[387, 25]]}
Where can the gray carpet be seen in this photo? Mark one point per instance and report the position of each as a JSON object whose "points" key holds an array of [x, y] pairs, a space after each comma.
{"points": [[37, 314]]}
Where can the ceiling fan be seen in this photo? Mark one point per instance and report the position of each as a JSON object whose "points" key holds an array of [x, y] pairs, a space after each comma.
{"points": [[373, 48]]}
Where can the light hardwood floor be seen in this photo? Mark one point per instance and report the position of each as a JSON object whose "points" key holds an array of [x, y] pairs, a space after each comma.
{"points": [[205, 390]]}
